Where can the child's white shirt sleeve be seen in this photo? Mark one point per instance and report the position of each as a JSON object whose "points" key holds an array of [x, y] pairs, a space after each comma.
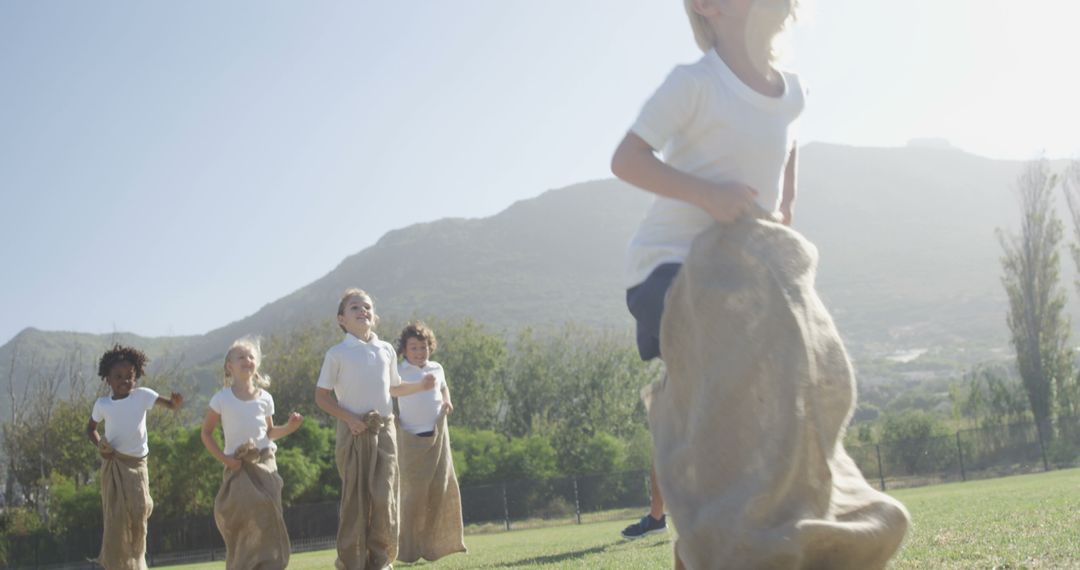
{"points": [[669, 110], [215, 402], [395, 376], [149, 397], [328, 376], [96, 413], [269, 404]]}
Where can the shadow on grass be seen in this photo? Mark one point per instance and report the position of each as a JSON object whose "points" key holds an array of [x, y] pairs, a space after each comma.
{"points": [[573, 555], [555, 558]]}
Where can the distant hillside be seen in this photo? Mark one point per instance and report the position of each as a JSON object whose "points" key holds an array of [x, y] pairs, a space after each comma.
{"points": [[908, 259]]}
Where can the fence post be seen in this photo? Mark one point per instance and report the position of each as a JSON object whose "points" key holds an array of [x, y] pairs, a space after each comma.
{"points": [[506, 507], [880, 472], [960, 454], [1042, 446], [577, 504]]}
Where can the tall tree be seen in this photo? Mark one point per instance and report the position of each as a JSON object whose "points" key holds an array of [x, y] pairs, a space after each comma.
{"points": [[1069, 401], [1031, 277]]}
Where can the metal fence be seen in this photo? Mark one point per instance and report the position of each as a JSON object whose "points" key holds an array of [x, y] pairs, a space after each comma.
{"points": [[485, 508], [982, 453], [966, 454]]}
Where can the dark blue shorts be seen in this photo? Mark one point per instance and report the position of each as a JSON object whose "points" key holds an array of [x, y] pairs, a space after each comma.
{"points": [[646, 302]]}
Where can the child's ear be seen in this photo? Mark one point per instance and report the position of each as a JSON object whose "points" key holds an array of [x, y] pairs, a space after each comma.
{"points": [[707, 8]]}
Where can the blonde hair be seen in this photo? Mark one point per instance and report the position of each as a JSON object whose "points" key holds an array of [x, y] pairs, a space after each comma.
{"points": [[251, 343], [767, 22], [355, 292]]}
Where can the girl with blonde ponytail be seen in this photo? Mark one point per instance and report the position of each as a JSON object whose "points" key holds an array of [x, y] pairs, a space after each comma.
{"points": [[247, 508]]}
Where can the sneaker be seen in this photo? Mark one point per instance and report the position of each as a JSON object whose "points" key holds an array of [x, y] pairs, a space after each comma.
{"points": [[647, 525]]}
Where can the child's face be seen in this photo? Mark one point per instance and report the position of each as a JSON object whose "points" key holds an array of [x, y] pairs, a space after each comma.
{"points": [[358, 317], [416, 351], [241, 363], [121, 379]]}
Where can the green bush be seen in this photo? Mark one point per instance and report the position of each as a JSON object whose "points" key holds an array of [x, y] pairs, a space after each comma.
{"points": [[1062, 453]]}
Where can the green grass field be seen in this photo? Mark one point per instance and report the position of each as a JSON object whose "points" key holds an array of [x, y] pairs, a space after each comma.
{"points": [[1027, 521]]}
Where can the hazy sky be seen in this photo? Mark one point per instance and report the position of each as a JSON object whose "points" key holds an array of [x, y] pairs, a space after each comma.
{"points": [[169, 167]]}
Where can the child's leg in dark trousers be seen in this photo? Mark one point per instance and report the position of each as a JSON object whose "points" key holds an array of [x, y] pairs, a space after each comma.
{"points": [[646, 303]]}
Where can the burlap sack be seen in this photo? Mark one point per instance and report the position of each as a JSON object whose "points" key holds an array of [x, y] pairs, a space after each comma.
{"points": [[748, 425], [368, 522], [126, 506], [248, 513], [431, 525]]}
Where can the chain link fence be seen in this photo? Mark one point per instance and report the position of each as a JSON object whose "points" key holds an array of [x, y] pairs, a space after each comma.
{"points": [[967, 454]]}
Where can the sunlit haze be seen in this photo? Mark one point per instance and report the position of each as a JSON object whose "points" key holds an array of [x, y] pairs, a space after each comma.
{"points": [[167, 168]]}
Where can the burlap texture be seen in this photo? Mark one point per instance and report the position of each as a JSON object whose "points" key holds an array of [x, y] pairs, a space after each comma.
{"points": [[748, 424], [368, 523], [431, 525], [126, 505], [248, 512]]}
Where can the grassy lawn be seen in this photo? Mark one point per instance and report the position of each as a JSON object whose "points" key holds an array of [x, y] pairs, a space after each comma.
{"points": [[1027, 521]]}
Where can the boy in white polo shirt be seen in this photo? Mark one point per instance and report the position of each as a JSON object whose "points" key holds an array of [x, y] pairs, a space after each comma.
{"points": [[125, 481], [357, 380], [431, 523]]}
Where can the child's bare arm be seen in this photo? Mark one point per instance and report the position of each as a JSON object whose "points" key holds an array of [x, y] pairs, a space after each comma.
{"points": [[787, 202], [173, 402], [210, 422], [449, 407], [277, 432], [409, 388], [92, 433], [636, 162], [326, 401], [95, 438]]}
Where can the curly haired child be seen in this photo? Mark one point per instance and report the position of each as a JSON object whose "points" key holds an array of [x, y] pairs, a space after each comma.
{"points": [[125, 481], [431, 524]]}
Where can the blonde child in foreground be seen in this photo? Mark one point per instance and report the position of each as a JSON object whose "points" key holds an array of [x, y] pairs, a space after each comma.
{"points": [[725, 127], [357, 380], [247, 508], [125, 481], [431, 524]]}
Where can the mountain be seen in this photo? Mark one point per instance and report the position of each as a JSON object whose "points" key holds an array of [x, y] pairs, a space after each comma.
{"points": [[909, 259]]}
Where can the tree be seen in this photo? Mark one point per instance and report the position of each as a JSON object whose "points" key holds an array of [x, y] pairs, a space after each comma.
{"points": [[1038, 326], [293, 362], [474, 361], [531, 385], [45, 432], [989, 397], [1069, 400], [915, 440]]}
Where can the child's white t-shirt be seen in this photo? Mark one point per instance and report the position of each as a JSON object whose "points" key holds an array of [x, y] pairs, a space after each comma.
{"points": [[244, 420], [361, 374], [420, 410], [125, 420], [708, 123]]}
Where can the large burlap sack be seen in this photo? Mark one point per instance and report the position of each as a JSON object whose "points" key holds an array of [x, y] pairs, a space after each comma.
{"points": [[368, 529], [126, 506], [248, 512], [431, 525], [748, 424]]}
